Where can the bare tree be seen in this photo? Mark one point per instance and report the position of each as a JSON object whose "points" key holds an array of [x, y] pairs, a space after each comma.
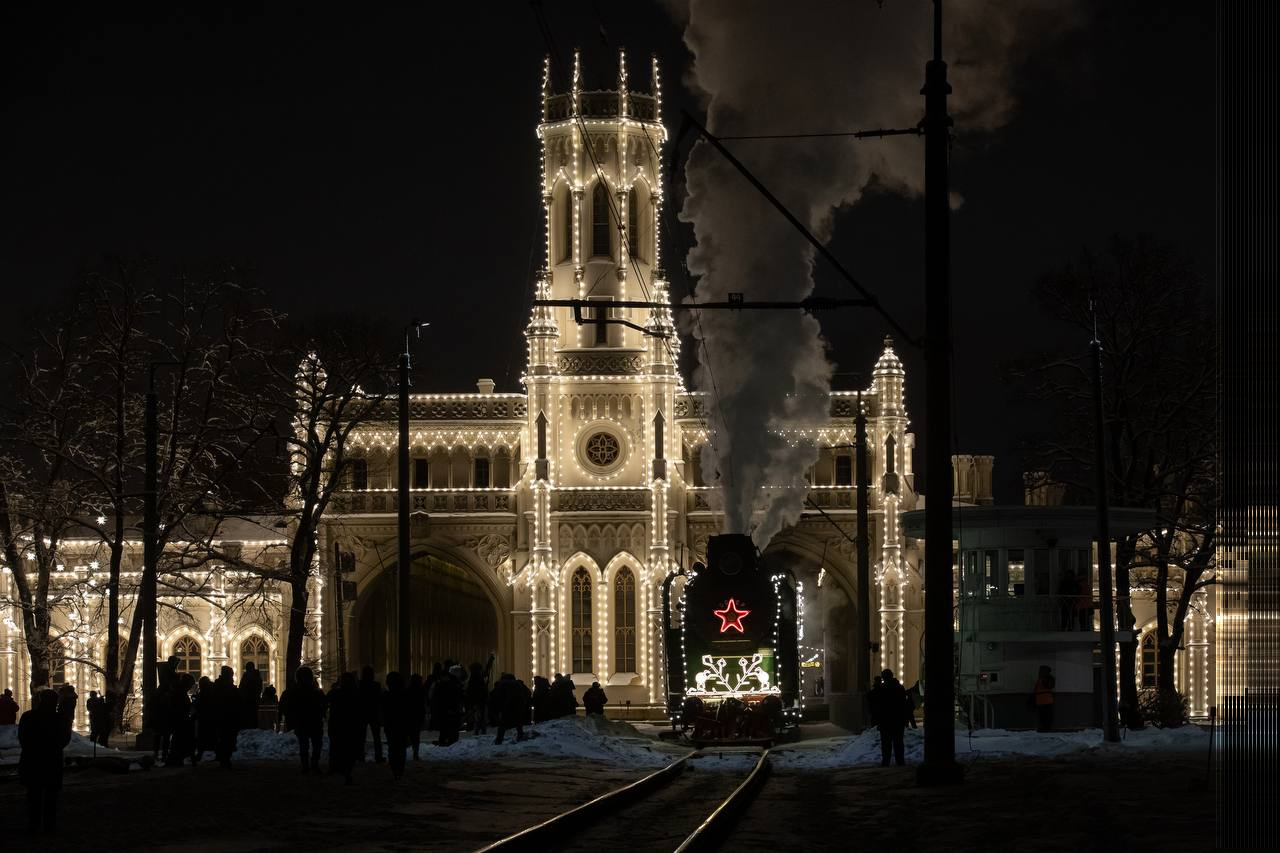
{"points": [[337, 383], [1152, 317], [73, 443]]}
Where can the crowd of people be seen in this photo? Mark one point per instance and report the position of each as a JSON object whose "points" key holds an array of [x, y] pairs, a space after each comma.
{"points": [[192, 718], [450, 700]]}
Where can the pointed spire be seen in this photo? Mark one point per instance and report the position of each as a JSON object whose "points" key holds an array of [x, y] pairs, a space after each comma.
{"points": [[623, 105], [655, 85], [577, 79], [546, 84]]}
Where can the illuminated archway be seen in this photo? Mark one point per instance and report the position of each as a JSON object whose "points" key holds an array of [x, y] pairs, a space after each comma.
{"points": [[454, 617]]}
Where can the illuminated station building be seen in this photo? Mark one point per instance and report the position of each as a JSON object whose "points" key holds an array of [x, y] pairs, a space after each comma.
{"points": [[546, 521]]}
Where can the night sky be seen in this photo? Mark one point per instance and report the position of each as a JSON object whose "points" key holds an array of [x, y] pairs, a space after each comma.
{"points": [[380, 159]]}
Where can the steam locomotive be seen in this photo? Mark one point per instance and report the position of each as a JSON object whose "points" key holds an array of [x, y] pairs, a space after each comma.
{"points": [[733, 668]]}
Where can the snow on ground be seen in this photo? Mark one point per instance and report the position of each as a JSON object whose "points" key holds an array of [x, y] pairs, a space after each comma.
{"points": [[568, 737], [835, 752], [80, 746]]}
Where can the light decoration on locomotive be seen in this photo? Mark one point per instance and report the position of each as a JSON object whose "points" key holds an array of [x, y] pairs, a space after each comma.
{"points": [[739, 630]]}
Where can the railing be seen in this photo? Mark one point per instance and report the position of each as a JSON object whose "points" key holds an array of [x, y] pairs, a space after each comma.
{"points": [[697, 498], [427, 500], [1023, 614]]}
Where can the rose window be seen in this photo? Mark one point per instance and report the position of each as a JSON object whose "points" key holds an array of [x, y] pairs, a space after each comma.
{"points": [[602, 450]]}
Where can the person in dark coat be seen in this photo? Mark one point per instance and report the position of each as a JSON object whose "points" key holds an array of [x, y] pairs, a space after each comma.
{"points": [[183, 740], [371, 704], [8, 709], [512, 698], [42, 734], [1042, 698], [166, 680], [346, 725], [67, 699], [206, 718], [563, 702], [888, 709], [477, 699], [541, 699], [302, 706], [446, 706], [226, 708], [397, 717], [250, 695], [594, 700], [95, 707], [416, 696]]}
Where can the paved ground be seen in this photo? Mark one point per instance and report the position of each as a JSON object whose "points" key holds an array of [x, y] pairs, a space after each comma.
{"points": [[1085, 803]]}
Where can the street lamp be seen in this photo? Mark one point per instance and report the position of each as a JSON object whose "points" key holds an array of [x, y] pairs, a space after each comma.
{"points": [[402, 505]]}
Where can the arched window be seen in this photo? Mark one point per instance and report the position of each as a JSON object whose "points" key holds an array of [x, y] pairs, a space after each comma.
{"points": [[600, 220], [580, 610], [635, 229], [255, 649], [566, 226], [1149, 660], [624, 621], [187, 651]]}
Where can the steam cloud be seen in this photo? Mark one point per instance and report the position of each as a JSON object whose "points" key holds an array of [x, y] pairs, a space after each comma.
{"points": [[763, 66]]}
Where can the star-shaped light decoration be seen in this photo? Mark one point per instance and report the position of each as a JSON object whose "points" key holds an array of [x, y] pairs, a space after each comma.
{"points": [[731, 617]]}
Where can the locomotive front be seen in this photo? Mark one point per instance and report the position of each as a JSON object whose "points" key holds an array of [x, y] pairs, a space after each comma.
{"points": [[737, 643]]}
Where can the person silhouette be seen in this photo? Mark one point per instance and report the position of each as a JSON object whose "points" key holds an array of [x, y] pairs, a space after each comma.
{"points": [[303, 707], [226, 704], [371, 705], [42, 734]]}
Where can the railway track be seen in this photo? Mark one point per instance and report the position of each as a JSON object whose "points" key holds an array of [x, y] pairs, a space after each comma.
{"points": [[679, 808]]}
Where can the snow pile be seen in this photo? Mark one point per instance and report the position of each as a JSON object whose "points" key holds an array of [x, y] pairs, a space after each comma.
{"points": [[79, 747], [570, 737], [830, 753]]}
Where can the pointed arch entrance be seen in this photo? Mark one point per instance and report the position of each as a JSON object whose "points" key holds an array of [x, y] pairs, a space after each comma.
{"points": [[455, 617]]}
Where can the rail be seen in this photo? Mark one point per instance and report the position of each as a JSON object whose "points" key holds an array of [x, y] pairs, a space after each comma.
{"points": [[539, 836], [708, 833], [713, 829]]}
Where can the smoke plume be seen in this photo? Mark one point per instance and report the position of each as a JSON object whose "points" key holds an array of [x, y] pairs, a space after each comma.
{"points": [[762, 67]]}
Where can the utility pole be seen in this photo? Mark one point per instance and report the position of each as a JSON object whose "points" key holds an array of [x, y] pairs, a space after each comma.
{"points": [[1110, 725], [862, 480], [939, 766], [150, 558], [402, 509]]}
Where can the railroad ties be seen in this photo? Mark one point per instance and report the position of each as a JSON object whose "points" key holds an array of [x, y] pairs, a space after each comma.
{"points": [[682, 808]]}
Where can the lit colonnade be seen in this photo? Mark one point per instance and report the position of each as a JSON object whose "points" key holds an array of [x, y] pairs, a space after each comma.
{"points": [[213, 610]]}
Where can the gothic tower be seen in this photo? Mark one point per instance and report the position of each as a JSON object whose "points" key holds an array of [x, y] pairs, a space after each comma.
{"points": [[601, 394]]}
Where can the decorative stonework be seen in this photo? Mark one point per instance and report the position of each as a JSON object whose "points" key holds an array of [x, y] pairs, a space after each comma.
{"points": [[479, 407], [602, 450], [493, 548], [600, 363], [601, 501]]}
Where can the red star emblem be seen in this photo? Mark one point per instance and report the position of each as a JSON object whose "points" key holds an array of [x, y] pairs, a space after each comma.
{"points": [[731, 617]]}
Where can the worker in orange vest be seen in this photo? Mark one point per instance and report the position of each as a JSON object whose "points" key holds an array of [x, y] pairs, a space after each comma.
{"points": [[1044, 699]]}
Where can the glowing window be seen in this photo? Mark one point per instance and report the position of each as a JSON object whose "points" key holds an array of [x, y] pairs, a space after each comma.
{"points": [[624, 621], [600, 221], [580, 608], [255, 649], [187, 651]]}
